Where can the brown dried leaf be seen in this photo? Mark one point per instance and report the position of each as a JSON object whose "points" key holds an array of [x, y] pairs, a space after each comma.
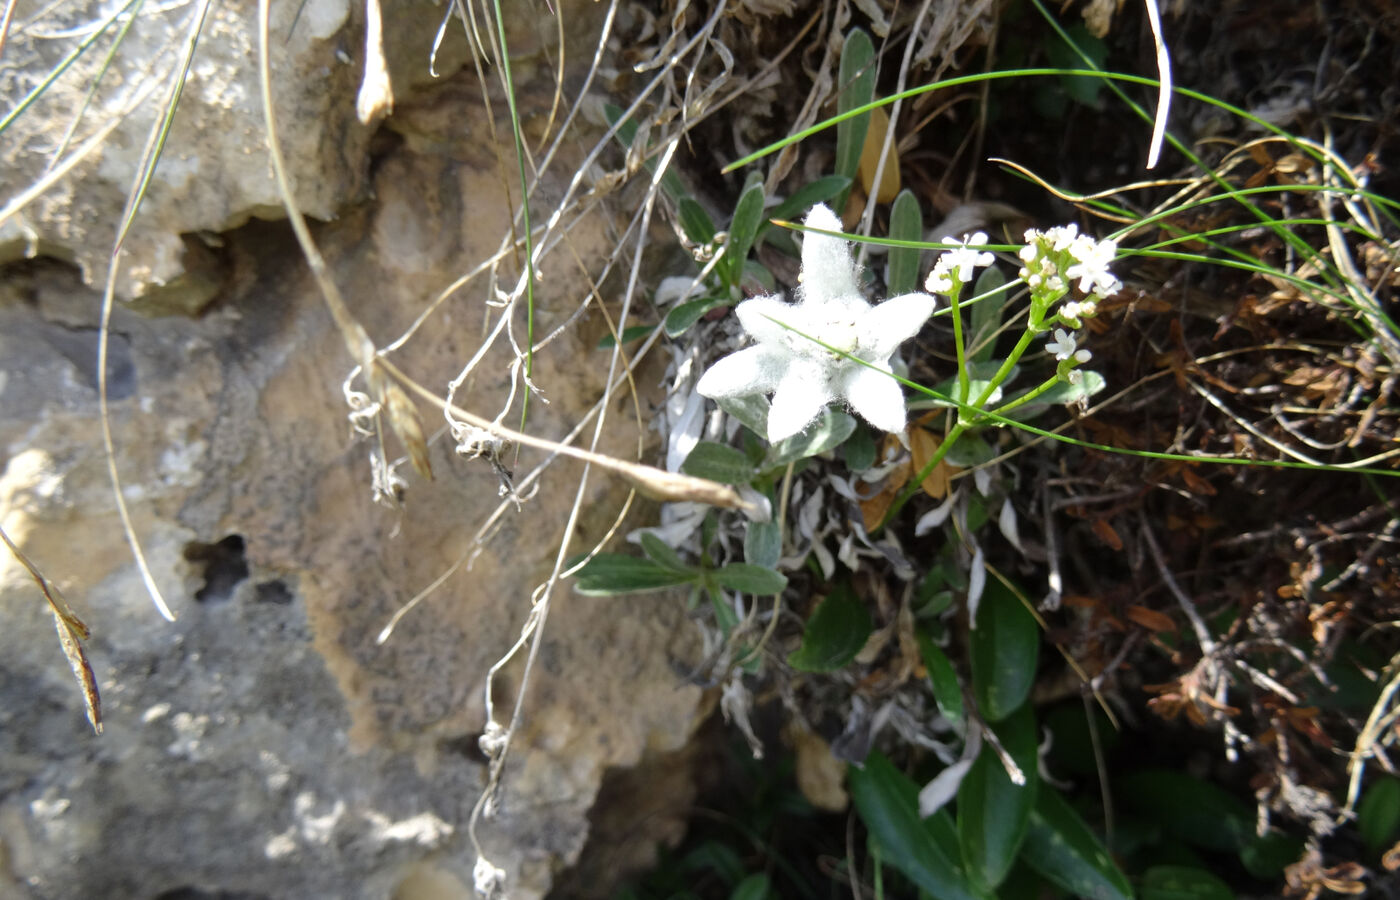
{"points": [[922, 446], [1196, 484], [1104, 532], [870, 159], [403, 418], [1150, 619], [872, 511], [821, 777], [71, 633], [82, 670]]}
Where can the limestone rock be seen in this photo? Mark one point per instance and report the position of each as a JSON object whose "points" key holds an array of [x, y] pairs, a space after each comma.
{"points": [[264, 746], [214, 173]]}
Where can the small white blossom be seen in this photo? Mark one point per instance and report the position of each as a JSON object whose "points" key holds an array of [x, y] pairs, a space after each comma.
{"points": [[1063, 346], [939, 280], [1092, 269], [965, 258], [804, 376]]}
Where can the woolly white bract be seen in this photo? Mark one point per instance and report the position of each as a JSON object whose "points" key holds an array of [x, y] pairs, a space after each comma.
{"points": [[805, 376]]}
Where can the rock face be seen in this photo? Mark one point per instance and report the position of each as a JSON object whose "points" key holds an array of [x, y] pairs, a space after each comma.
{"points": [[263, 745]]}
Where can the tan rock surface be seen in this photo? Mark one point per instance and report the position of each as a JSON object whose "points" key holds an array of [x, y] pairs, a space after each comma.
{"points": [[263, 744]]}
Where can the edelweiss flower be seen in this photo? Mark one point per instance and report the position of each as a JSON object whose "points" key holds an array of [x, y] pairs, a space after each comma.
{"points": [[803, 375]]}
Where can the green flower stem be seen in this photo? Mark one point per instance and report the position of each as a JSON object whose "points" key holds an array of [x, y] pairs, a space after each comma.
{"points": [[964, 386], [1005, 370], [1025, 398], [964, 425], [913, 487]]}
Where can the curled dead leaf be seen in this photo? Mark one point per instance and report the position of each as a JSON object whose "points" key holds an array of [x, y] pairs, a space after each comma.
{"points": [[1150, 619], [870, 159], [923, 445], [821, 777], [71, 634]]}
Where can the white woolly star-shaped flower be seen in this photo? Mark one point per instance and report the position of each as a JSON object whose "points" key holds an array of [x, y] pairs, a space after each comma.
{"points": [[804, 376]]}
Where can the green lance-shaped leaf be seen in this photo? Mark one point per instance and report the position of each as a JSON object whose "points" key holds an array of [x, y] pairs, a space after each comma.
{"points": [[947, 692], [857, 88], [1005, 649], [1183, 883], [925, 850], [748, 215], [608, 574], [906, 224], [750, 579], [1060, 846], [993, 811]]}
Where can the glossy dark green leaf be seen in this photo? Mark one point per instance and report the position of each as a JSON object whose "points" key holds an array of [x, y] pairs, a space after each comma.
{"points": [[718, 462], [608, 574], [857, 88], [1182, 883], [947, 692], [827, 432], [748, 213], [993, 812], [750, 579], [926, 851], [906, 224], [1378, 813], [1060, 846], [1005, 648], [663, 554], [1189, 809], [763, 543], [991, 294], [836, 632]]}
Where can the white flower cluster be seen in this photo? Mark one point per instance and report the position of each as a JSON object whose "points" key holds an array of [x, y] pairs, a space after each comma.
{"points": [[1046, 252], [1053, 259], [789, 359], [961, 260]]}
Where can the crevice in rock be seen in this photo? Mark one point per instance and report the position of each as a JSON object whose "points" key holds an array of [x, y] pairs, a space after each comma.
{"points": [[274, 591], [79, 347], [194, 893], [224, 567]]}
